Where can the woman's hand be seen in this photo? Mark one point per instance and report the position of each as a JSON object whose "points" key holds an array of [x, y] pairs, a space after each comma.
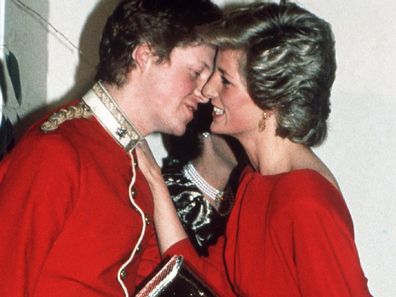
{"points": [[148, 165], [166, 222]]}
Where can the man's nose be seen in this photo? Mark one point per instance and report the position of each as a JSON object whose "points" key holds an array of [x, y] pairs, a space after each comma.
{"points": [[208, 91], [202, 98]]}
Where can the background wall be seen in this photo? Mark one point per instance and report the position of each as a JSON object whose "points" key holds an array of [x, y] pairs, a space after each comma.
{"points": [[2, 18], [55, 43]]}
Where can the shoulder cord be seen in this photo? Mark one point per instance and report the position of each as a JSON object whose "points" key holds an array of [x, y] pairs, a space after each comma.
{"points": [[138, 209], [81, 110]]}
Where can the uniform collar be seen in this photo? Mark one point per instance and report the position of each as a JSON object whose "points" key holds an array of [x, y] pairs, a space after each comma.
{"points": [[111, 117]]}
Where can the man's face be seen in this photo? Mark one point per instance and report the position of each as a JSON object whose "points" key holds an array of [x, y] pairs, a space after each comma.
{"points": [[174, 87]]}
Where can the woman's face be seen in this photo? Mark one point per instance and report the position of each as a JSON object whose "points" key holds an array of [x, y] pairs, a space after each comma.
{"points": [[234, 112]]}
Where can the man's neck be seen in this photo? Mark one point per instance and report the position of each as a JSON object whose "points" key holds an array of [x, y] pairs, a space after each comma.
{"points": [[130, 101]]}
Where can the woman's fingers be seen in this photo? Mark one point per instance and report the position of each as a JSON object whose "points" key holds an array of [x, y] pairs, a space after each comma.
{"points": [[146, 161]]}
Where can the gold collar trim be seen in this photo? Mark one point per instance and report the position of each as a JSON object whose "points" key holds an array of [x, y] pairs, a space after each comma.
{"points": [[111, 117]]}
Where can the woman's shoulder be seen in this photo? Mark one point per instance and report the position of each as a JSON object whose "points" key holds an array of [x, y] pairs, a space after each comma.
{"points": [[307, 197], [306, 180], [293, 183], [305, 189]]}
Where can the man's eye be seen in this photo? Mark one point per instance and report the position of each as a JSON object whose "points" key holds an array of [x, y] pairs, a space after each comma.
{"points": [[196, 73]]}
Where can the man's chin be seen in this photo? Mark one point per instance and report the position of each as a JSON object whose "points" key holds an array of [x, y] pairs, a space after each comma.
{"points": [[179, 132]]}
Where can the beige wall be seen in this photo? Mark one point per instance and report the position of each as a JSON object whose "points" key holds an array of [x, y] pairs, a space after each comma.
{"points": [[361, 145], [27, 40], [2, 19]]}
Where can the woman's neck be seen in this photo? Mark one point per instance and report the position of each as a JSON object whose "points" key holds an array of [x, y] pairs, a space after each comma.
{"points": [[275, 155], [271, 155]]}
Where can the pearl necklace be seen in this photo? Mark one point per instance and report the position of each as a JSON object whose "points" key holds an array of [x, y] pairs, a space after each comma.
{"points": [[192, 174]]}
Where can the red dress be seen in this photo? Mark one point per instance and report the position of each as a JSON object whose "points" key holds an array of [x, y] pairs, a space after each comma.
{"points": [[67, 224], [288, 235]]}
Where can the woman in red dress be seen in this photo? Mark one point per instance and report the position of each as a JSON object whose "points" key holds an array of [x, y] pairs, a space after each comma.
{"points": [[290, 232]]}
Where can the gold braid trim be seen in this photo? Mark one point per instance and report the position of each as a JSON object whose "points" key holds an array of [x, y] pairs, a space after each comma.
{"points": [[81, 110]]}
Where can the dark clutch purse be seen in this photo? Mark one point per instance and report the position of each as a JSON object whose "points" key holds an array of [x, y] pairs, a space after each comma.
{"points": [[175, 279]]}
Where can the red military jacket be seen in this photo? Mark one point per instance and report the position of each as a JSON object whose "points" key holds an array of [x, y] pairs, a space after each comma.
{"points": [[67, 224]]}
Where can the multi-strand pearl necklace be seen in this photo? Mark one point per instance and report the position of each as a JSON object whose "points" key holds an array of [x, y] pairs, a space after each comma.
{"points": [[192, 174]]}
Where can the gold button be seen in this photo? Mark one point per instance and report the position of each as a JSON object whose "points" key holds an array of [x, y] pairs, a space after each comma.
{"points": [[133, 193], [147, 219], [123, 274]]}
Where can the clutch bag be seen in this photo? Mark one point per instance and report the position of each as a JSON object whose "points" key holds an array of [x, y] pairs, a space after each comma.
{"points": [[174, 279]]}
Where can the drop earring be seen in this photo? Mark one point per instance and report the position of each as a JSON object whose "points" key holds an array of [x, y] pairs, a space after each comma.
{"points": [[261, 124]]}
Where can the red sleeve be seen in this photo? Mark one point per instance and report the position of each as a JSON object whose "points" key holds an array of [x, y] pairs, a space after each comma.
{"points": [[324, 251], [38, 180], [211, 269]]}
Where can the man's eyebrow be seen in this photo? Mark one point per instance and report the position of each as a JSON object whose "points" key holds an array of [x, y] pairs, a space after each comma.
{"points": [[206, 65]]}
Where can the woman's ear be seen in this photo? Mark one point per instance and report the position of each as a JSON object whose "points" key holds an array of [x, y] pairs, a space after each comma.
{"points": [[143, 55]]}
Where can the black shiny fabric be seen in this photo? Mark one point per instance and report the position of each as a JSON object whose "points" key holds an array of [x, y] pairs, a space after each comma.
{"points": [[201, 221]]}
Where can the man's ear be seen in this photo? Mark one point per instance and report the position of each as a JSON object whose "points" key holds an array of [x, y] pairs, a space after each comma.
{"points": [[143, 55]]}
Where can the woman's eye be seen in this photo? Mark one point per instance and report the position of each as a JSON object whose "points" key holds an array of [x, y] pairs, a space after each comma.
{"points": [[225, 81]]}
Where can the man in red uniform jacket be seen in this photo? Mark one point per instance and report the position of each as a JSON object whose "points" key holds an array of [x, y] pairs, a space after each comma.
{"points": [[75, 211]]}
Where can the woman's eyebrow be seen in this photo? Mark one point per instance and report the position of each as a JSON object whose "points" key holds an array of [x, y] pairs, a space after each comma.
{"points": [[223, 72]]}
